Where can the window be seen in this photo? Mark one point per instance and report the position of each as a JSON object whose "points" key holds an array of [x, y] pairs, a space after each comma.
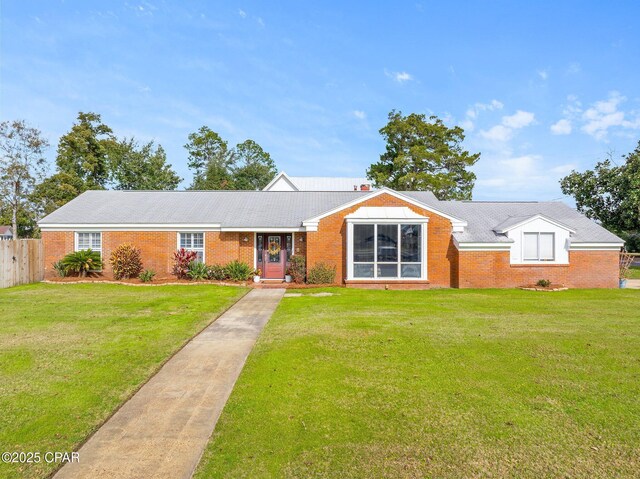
{"points": [[539, 246], [289, 243], [388, 250], [260, 247], [92, 241], [193, 242]]}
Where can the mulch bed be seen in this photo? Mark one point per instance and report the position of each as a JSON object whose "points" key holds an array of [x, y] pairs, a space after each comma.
{"points": [[552, 287], [175, 281]]}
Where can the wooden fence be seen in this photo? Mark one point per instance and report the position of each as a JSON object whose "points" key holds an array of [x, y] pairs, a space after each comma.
{"points": [[21, 261]]}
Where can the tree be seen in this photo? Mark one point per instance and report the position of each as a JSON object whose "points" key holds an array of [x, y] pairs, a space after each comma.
{"points": [[21, 165], [84, 150], [210, 160], [145, 167], [56, 191], [424, 154], [254, 167], [609, 194]]}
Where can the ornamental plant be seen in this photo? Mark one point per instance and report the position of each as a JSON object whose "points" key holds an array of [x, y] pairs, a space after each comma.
{"points": [[126, 261], [198, 271], [321, 273], [544, 283], [217, 272], [297, 269], [147, 275], [59, 268], [82, 262], [181, 260], [238, 271]]}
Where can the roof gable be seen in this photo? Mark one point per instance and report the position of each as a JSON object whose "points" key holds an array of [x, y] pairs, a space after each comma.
{"points": [[516, 221], [313, 221]]}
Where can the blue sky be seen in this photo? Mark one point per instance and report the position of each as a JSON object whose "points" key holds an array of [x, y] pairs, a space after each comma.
{"points": [[540, 87]]}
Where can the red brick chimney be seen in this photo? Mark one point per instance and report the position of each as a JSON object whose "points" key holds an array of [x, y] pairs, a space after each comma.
{"points": [[365, 187]]}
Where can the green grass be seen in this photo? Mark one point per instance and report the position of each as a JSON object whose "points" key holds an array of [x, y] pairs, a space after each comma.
{"points": [[442, 383], [70, 354], [634, 272]]}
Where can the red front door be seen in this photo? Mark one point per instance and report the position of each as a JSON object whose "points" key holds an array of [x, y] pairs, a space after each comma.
{"points": [[274, 257]]}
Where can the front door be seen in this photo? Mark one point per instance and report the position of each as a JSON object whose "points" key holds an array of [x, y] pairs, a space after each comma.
{"points": [[274, 257]]}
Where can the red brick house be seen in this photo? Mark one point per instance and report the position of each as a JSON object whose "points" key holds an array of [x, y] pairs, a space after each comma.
{"points": [[380, 238]]}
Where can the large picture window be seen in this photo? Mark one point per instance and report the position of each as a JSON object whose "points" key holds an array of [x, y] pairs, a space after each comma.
{"points": [[193, 242], [539, 246], [387, 250]]}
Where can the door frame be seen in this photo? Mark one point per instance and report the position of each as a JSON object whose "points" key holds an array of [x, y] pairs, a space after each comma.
{"points": [[283, 254]]}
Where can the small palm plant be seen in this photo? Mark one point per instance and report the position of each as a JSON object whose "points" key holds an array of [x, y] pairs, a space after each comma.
{"points": [[82, 262]]}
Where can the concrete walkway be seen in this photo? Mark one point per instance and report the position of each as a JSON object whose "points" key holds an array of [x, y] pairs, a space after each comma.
{"points": [[633, 283], [163, 429]]}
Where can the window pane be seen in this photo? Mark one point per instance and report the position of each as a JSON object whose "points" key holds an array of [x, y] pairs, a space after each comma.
{"points": [[546, 246], [531, 246], [363, 243], [198, 240], [185, 240], [363, 270], [410, 243], [410, 270], [84, 241], [289, 246], [260, 247], [199, 256], [387, 270], [388, 243], [96, 243]]}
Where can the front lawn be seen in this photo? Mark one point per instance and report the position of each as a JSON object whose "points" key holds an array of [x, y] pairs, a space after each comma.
{"points": [[70, 354], [443, 383]]}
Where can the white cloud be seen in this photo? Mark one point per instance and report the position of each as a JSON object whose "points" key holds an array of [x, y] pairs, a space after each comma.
{"points": [[519, 119], [574, 68], [473, 112], [359, 114], [242, 13], [260, 21], [561, 127], [544, 74], [497, 133], [400, 77], [605, 114], [504, 131]]}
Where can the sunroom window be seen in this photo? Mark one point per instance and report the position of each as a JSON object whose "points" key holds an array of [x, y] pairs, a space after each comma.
{"points": [[539, 246], [193, 242], [387, 250]]}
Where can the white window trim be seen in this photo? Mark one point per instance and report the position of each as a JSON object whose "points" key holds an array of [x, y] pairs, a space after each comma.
{"points": [[423, 270], [538, 260], [204, 243], [76, 242]]}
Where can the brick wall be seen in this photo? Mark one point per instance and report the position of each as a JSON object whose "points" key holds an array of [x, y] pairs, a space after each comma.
{"points": [[157, 248], [329, 243], [491, 269]]}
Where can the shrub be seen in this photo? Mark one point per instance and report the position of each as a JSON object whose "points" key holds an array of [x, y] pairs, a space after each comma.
{"points": [[321, 273], [238, 271], [297, 269], [147, 275], [545, 283], [126, 261], [217, 272], [181, 260], [198, 271], [59, 268], [82, 262]]}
